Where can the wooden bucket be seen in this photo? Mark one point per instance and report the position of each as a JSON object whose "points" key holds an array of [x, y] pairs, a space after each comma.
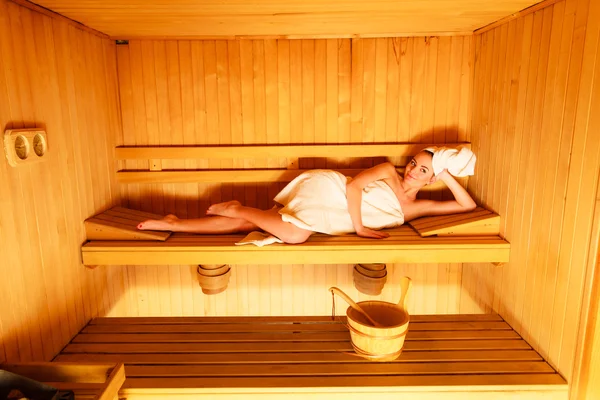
{"points": [[368, 284], [379, 343], [214, 284]]}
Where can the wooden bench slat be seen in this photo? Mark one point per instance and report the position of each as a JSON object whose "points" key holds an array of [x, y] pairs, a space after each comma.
{"points": [[339, 369], [320, 357], [121, 224], [342, 242], [494, 252], [480, 222], [504, 380], [291, 347], [458, 219], [287, 327], [455, 220], [102, 229], [278, 319], [488, 223], [117, 220], [273, 151], [271, 337], [427, 222], [123, 213], [272, 175], [206, 328], [408, 244], [135, 213]]}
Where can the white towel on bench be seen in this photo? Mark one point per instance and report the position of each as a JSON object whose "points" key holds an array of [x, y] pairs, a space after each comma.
{"points": [[316, 201], [459, 162], [259, 239]]}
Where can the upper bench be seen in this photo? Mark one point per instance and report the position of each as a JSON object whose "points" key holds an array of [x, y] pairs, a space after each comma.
{"points": [[114, 240], [404, 245]]}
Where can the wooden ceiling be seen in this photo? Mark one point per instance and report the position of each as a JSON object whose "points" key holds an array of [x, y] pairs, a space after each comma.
{"points": [[127, 19]]}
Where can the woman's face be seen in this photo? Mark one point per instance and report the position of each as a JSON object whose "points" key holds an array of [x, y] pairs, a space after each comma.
{"points": [[419, 170]]}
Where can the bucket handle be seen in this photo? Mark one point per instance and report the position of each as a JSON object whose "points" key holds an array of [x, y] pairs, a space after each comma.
{"points": [[358, 308], [405, 285]]}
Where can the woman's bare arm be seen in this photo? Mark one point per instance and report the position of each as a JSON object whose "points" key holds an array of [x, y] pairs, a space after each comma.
{"points": [[462, 200], [354, 189]]}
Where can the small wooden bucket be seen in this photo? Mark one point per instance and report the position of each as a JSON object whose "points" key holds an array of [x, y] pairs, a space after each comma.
{"points": [[369, 282], [215, 281], [379, 343]]}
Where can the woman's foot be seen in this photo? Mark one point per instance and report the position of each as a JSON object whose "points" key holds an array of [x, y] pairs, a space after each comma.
{"points": [[165, 224], [226, 209]]}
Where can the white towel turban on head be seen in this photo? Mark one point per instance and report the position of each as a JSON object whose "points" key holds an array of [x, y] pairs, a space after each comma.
{"points": [[459, 162]]}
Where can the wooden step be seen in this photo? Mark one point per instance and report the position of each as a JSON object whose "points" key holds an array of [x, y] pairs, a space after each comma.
{"points": [[478, 222], [120, 223]]}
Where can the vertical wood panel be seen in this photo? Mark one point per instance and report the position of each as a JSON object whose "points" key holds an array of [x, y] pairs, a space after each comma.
{"points": [[63, 79], [303, 290], [539, 106]]}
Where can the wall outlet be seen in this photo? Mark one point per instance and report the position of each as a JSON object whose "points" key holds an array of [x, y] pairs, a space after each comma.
{"points": [[25, 146]]}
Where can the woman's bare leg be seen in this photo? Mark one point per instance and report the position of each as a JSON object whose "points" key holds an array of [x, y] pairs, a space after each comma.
{"points": [[269, 221], [206, 225]]}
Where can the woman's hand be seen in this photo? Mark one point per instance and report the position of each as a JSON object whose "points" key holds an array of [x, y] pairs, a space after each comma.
{"points": [[370, 233], [441, 176]]}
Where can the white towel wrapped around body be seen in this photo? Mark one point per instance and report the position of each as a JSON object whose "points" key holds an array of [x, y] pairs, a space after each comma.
{"points": [[459, 162], [316, 201]]}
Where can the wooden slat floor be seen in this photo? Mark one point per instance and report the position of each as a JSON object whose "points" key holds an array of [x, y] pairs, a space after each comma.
{"points": [[403, 245], [301, 352]]}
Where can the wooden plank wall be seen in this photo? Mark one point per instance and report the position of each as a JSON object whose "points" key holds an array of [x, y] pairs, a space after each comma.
{"points": [[588, 387], [285, 290], [535, 128], [284, 91], [55, 76]]}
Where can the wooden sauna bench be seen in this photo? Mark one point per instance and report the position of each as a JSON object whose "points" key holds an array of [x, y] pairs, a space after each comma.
{"points": [[403, 246], [477, 241], [113, 239], [444, 357]]}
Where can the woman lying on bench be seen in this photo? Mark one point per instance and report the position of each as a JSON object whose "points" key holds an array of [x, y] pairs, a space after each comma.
{"points": [[326, 201]]}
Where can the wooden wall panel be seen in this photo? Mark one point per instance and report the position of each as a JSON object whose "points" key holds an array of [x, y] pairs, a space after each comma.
{"points": [[590, 375], [285, 91], [534, 128], [287, 290], [55, 76]]}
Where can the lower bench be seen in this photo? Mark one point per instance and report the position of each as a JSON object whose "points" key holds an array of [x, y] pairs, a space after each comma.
{"points": [[444, 357]]}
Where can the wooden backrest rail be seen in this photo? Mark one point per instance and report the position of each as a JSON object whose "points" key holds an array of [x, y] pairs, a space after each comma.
{"points": [[155, 173]]}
